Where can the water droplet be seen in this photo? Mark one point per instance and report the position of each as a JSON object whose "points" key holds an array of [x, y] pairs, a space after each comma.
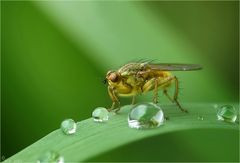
{"points": [[68, 126], [215, 106], [227, 113], [100, 114], [145, 115], [50, 157], [200, 118]]}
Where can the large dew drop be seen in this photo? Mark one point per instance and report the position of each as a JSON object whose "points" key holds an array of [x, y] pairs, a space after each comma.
{"points": [[68, 126], [145, 115], [50, 157], [227, 113], [100, 114]]}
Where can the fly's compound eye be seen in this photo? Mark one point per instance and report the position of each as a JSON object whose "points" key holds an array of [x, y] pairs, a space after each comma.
{"points": [[113, 77], [109, 72]]}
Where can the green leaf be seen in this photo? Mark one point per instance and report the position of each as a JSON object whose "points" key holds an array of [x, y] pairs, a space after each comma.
{"points": [[92, 139]]}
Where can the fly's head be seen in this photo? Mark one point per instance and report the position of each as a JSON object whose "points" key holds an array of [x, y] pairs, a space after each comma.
{"points": [[112, 78]]}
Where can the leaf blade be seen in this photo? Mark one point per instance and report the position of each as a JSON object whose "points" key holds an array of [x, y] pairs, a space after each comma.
{"points": [[93, 138]]}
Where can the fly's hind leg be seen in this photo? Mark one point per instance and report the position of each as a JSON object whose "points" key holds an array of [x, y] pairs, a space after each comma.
{"points": [[168, 96], [175, 97], [154, 83], [115, 100]]}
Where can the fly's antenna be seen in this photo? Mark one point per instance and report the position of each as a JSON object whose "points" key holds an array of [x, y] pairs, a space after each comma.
{"points": [[104, 81]]}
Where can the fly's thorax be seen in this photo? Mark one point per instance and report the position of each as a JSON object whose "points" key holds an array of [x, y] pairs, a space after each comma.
{"points": [[124, 89], [132, 68], [127, 86], [134, 80]]}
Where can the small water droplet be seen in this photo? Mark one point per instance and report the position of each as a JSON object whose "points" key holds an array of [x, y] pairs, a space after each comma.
{"points": [[68, 126], [215, 106], [50, 157], [227, 113], [100, 114], [200, 118], [145, 115]]}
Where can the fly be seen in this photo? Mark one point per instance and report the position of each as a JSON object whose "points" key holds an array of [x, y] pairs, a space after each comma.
{"points": [[140, 77]]}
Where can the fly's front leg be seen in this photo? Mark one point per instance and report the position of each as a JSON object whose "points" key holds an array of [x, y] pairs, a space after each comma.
{"points": [[114, 98], [168, 96]]}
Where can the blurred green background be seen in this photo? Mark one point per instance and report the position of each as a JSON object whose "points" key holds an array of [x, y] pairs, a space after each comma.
{"points": [[55, 56]]}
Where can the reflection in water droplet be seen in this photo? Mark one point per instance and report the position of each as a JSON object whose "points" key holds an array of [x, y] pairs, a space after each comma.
{"points": [[145, 115], [227, 113], [200, 118], [50, 157], [100, 114], [68, 126]]}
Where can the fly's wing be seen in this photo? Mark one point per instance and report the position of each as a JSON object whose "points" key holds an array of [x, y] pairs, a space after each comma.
{"points": [[174, 67]]}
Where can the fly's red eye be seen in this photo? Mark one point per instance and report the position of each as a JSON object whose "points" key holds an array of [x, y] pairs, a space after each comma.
{"points": [[113, 77]]}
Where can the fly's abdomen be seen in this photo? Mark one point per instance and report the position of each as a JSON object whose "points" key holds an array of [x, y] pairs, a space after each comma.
{"points": [[163, 74]]}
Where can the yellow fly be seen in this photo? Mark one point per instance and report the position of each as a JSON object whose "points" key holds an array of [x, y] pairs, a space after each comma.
{"points": [[140, 77]]}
